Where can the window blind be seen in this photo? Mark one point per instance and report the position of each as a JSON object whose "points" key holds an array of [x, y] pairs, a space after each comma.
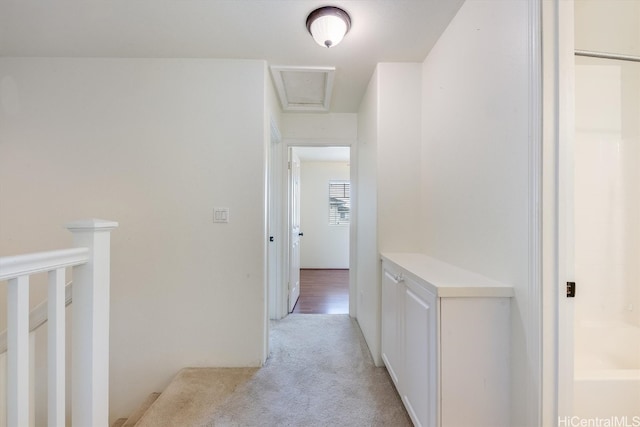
{"points": [[339, 202]]}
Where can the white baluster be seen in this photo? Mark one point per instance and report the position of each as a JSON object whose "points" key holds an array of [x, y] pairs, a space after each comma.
{"points": [[90, 341], [3, 389], [18, 351], [56, 343], [32, 379]]}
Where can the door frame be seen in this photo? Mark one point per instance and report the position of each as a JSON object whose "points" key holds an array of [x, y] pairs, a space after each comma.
{"points": [[277, 251], [293, 235], [281, 293], [565, 185], [557, 228]]}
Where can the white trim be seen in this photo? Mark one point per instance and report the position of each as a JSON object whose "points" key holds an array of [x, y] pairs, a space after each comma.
{"points": [[549, 386], [276, 136], [534, 319], [91, 225], [275, 213], [18, 353], [329, 72], [40, 262], [56, 348], [322, 142], [90, 339], [564, 219], [353, 231], [557, 172]]}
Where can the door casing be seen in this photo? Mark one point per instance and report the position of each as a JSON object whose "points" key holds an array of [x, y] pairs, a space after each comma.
{"points": [[280, 306]]}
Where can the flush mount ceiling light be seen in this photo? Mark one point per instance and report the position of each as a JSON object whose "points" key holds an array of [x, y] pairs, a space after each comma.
{"points": [[328, 25]]}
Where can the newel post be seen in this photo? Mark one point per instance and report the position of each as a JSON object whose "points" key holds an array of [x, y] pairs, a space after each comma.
{"points": [[90, 339]]}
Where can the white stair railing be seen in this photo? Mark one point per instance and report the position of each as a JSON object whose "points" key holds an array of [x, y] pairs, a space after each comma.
{"points": [[90, 260]]}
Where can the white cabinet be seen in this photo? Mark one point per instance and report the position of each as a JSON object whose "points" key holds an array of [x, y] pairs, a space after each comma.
{"points": [[445, 342], [391, 339], [420, 353]]}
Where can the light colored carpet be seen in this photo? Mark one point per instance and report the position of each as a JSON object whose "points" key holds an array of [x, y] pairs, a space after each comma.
{"points": [[319, 373]]}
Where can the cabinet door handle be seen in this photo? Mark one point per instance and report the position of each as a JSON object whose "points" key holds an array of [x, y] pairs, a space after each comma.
{"points": [[398, 278]]}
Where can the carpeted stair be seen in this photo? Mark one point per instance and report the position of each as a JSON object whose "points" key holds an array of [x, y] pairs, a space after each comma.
{"points": [[138, 414]]}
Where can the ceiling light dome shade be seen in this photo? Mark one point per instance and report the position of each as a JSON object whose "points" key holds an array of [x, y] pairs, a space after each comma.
{"points": [[328, 25]]}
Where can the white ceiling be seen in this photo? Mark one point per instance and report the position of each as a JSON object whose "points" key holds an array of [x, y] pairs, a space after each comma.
{"points": [[274, 30]]}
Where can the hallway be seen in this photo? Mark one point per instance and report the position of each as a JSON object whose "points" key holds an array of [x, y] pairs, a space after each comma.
{"points": [[319, 373], [323, 291]]}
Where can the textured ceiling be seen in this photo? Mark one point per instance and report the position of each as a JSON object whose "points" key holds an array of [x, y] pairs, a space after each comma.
{"points": [[274, 30]]}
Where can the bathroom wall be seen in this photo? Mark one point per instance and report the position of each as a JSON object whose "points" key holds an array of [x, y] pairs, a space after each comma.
{"points": [[607, 164]]}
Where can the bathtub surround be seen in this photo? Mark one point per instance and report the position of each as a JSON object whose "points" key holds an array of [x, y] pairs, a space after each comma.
{"points": [[606, 220]]}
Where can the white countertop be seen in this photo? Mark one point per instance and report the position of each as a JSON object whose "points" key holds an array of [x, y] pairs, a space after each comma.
{"points": [[446, 280]]}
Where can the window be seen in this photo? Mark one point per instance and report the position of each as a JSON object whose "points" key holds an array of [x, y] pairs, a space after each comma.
{"points": [[339, 202]]}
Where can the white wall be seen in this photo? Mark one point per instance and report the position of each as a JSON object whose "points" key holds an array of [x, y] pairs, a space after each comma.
{"points": [[603, 26], [389, 175], [607, 191], [319, 129], [154, 144], [399, 148], [367, 260], [607, 164], [475, 162], [443, 158], [323, 245]]}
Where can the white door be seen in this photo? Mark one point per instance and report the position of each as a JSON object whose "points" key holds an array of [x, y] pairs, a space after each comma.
{"points": [[295, 233]]}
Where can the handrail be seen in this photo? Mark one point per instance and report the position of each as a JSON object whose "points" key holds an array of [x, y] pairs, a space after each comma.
{"points": [[89, 339], [40, 262], [38, 316]]}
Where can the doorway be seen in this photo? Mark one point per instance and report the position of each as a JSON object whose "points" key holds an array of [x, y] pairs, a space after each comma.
{"points": [[280, 230], [599, 349], [324, 209], [323, 291]]}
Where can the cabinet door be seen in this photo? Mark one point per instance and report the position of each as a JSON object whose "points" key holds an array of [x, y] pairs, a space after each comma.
{"points": [[420, 354], [391, 331]]}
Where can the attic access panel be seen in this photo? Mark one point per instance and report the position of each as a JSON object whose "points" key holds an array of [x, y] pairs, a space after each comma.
{"points": [[304, 88]]}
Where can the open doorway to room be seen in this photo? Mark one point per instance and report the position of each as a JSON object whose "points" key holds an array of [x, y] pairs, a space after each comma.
{"points": [[319, 221], [292, 247]]}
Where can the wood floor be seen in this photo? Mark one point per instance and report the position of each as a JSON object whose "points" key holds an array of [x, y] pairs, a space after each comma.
{"points": [[323, 292]]}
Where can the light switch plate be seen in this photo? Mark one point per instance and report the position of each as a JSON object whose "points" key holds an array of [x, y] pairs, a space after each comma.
{"points": [[221, 215]]}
